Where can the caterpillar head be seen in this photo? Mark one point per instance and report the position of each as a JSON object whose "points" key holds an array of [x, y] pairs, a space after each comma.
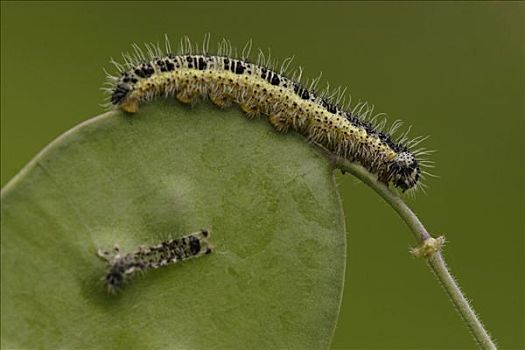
{"points": [[405, 171], [114, 280]]}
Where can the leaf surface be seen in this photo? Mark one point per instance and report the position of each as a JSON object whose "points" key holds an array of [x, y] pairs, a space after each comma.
{"points": [[274, 280]]}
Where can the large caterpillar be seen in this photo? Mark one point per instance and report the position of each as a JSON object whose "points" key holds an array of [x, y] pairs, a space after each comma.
{"points": [[122, 267], [259, 89]]}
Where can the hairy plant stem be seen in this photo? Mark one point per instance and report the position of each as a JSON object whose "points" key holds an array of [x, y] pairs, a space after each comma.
{"points": [[429, 248]]}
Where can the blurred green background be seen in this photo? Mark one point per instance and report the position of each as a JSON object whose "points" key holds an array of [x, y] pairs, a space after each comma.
{"points": [[454, 71]]}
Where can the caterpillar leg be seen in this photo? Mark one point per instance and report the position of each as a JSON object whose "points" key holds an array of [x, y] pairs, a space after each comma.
{"points": [[220, 100], [250, 110], [278, 122], [187, 96], [130, 106]]}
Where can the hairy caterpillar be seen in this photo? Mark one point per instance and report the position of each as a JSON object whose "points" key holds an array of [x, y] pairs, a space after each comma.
{"points": [[259, 89], [122, 267]]}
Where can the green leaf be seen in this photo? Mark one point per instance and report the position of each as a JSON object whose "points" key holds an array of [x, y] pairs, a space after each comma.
{"points": [[274, 281]]}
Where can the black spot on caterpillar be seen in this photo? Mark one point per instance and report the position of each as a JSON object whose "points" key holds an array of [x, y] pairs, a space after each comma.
{"points": [[123, 267], [350, 133]]}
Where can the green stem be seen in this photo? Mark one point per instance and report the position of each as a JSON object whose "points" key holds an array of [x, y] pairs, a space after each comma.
{"points": [[429, 249]]}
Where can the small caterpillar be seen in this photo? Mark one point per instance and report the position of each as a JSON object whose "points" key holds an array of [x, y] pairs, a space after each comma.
{"points": [[258, 89], [122, 267]]}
